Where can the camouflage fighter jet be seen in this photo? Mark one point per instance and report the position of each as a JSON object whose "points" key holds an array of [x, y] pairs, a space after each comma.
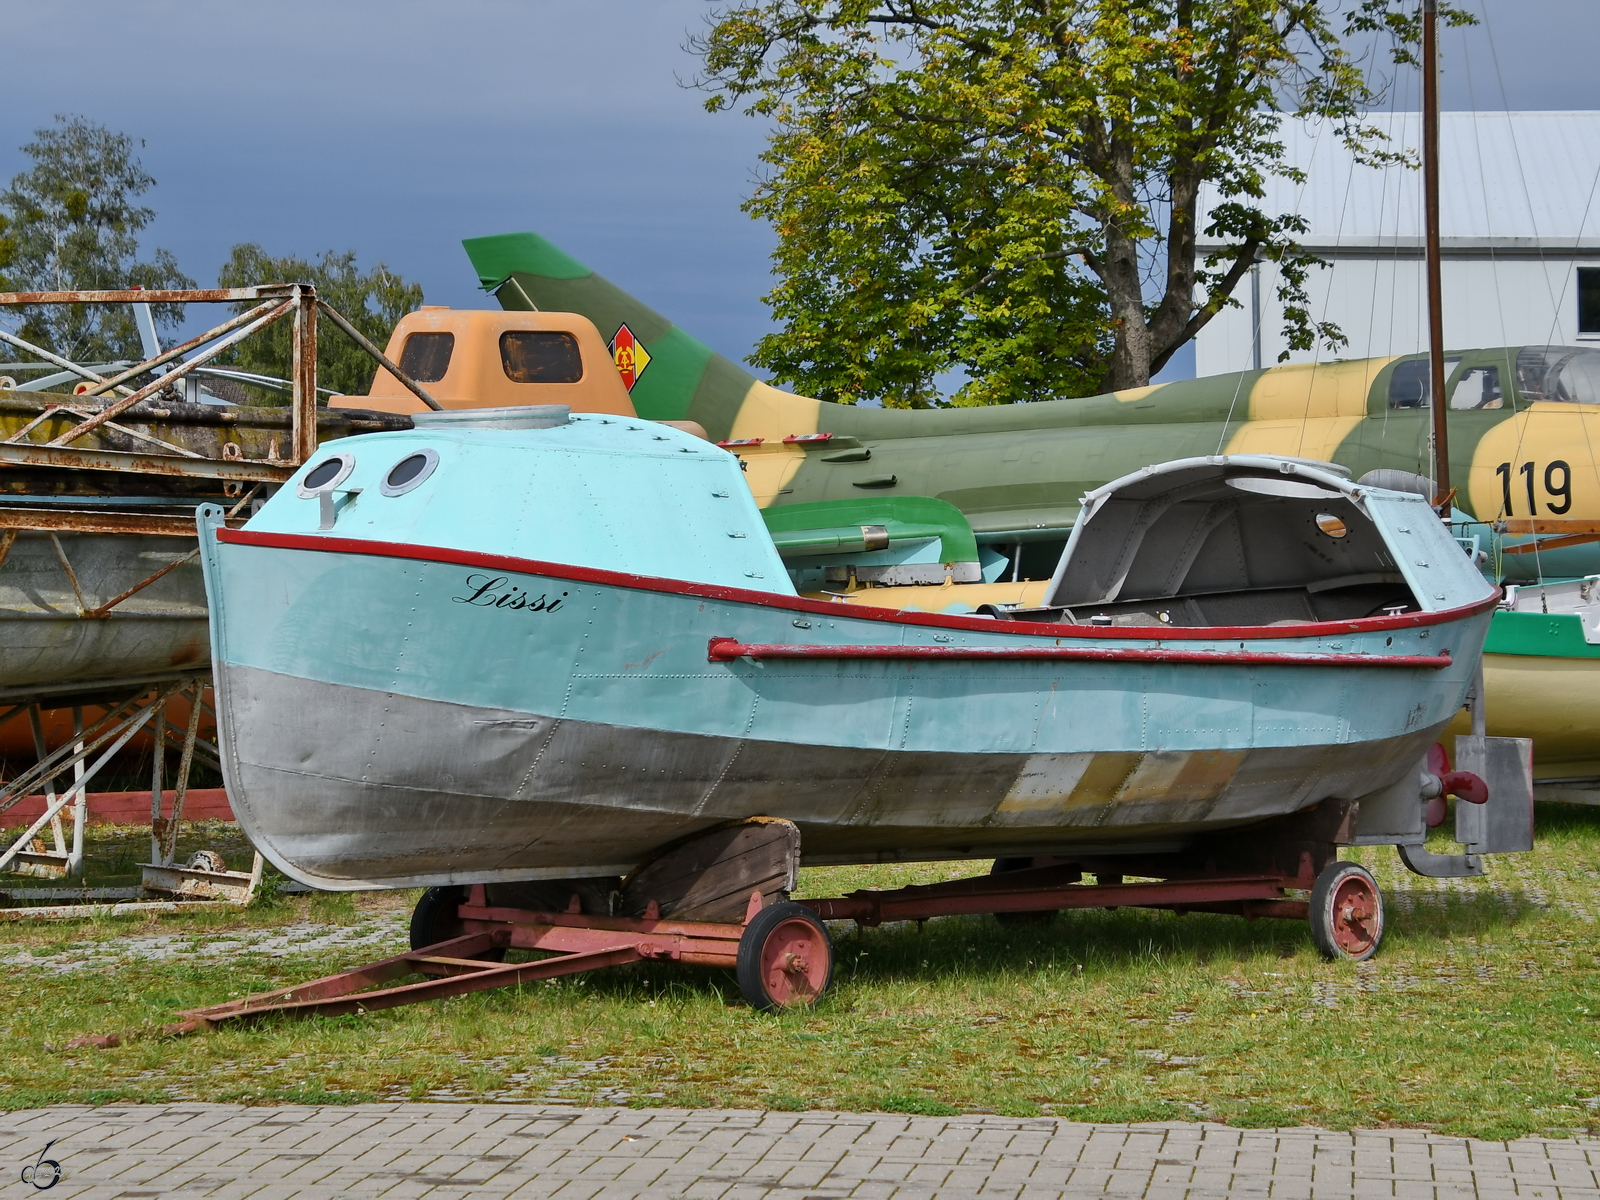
{"points": [[1524, 441], [1525, 444]]}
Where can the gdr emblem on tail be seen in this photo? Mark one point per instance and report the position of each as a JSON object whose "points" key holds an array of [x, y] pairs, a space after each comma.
{"points": [[630, 356]]}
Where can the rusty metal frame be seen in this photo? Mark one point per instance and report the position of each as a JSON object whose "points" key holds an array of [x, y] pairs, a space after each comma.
{"points": [[19, 520], [161, 382], [383, 359], [66, 364], [164, 838], [101, 741], [19, 436], [72, 576], [36, 727], [175, 352], [577, 943], [113, 731], [580, 942], [104, 610], [105, 729], [71, 522], [297, 301], [1052, 889]]}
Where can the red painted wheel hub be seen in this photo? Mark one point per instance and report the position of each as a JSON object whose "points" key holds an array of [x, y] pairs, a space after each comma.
{"points": [[1355, 911], [794, 962]]}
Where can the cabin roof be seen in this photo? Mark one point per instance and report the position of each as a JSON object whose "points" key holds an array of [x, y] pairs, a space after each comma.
{"points": [[586, 489]]}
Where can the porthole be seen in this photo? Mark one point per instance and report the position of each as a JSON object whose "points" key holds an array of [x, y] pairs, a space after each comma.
{"points": [[409, 472], [1331, 525], [326, 475]]}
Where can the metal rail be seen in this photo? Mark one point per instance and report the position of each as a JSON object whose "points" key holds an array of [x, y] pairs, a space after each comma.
{"points": [[200, 881], [725, 649], [271, 303]]}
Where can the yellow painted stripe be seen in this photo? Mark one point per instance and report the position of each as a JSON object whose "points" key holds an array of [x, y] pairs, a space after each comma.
{"points": [[773, 415], [1545, 434], [1317, 438], [1311, 390]]}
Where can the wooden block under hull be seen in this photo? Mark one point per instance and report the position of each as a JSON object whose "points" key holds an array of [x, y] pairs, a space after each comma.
{"points": [[709, 877]]}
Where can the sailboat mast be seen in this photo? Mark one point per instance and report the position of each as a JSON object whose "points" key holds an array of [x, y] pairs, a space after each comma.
{"points": [[1430, 189]]}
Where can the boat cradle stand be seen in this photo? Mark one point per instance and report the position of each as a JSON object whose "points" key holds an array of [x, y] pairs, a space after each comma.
{"points": [[721, 899], [130, 706]]}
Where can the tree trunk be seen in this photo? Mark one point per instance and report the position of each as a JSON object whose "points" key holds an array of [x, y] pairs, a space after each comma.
{"points": [[1130, 359], [1168, 323]]}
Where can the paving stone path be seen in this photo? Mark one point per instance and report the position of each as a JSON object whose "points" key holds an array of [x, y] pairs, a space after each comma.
{"points": [[402, 1151]]}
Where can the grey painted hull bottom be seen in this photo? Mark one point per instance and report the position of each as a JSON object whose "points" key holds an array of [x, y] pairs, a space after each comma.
{"points": [[421, 792]]}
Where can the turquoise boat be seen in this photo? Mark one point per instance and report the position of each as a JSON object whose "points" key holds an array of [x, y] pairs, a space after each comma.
{"points": [[512, 645]]}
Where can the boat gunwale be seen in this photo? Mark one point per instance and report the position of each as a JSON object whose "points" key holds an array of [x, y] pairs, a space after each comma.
{"points": [[724, 649], [963, 622]]}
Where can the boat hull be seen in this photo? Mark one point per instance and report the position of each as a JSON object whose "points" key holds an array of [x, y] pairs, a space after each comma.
{"points": [[48, 646], [458, 740]]}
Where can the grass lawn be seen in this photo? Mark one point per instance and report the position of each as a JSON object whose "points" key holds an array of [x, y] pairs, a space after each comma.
{"points": [[1479, 1015]]}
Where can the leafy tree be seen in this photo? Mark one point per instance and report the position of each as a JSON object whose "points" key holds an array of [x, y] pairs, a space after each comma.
{"points": [[1009, 188], [71, 222], [373, 302]]}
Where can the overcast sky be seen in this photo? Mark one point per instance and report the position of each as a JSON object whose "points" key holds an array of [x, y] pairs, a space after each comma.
{"points": [[398, 128]]}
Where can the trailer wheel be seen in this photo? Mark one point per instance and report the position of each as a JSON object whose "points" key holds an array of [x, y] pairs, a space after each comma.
{"points": [[785, 958], [434, 920], [1346, 912], [1004, 866]]}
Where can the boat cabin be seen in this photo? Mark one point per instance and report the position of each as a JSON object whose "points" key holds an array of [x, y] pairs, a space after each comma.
{"points": [[477, 358]]}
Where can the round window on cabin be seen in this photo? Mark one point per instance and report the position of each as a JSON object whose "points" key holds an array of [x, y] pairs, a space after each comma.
{"points": [[409, 472], [326, 475], [323, 474], [1331, 525]]}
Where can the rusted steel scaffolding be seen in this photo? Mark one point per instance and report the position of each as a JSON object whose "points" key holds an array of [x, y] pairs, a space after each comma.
{"points": [[121, 430]]}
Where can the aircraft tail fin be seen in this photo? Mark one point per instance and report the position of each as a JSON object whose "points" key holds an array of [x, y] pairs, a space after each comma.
{"points": [[671, 375]]}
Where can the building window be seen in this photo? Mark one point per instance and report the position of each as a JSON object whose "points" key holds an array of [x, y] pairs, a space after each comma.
{"points": [[1589, 299]]}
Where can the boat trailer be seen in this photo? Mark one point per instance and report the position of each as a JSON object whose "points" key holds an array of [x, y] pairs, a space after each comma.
{"points": [[722, 899]]}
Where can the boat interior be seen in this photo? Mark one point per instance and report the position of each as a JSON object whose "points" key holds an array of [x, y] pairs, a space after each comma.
{"points": [[1220, 542], [1215, 542]]}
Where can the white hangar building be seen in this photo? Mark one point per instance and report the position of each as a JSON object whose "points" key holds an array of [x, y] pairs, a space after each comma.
{"points": [[1520, 236]]}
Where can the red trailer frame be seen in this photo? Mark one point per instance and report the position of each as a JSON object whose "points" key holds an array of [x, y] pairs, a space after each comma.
{"points": [[781, 950]]}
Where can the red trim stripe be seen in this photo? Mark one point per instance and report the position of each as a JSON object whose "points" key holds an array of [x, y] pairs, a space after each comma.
{"points": [[711, 591], [726, 649]]}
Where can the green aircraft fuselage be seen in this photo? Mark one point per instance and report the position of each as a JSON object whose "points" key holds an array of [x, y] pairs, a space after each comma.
{"points": [[1524, 422]]}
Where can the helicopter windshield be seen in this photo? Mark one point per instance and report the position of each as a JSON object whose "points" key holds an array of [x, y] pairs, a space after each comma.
{"points": [[1570, 374]]}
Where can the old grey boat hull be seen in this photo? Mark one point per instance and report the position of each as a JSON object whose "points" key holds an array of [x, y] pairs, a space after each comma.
{"points": [[578, 730], [53, 642], [547, 797]]}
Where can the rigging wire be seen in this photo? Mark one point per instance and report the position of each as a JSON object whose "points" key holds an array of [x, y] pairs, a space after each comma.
{"points": [[1327, 301], [1544, 269], [1258, 318]]}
